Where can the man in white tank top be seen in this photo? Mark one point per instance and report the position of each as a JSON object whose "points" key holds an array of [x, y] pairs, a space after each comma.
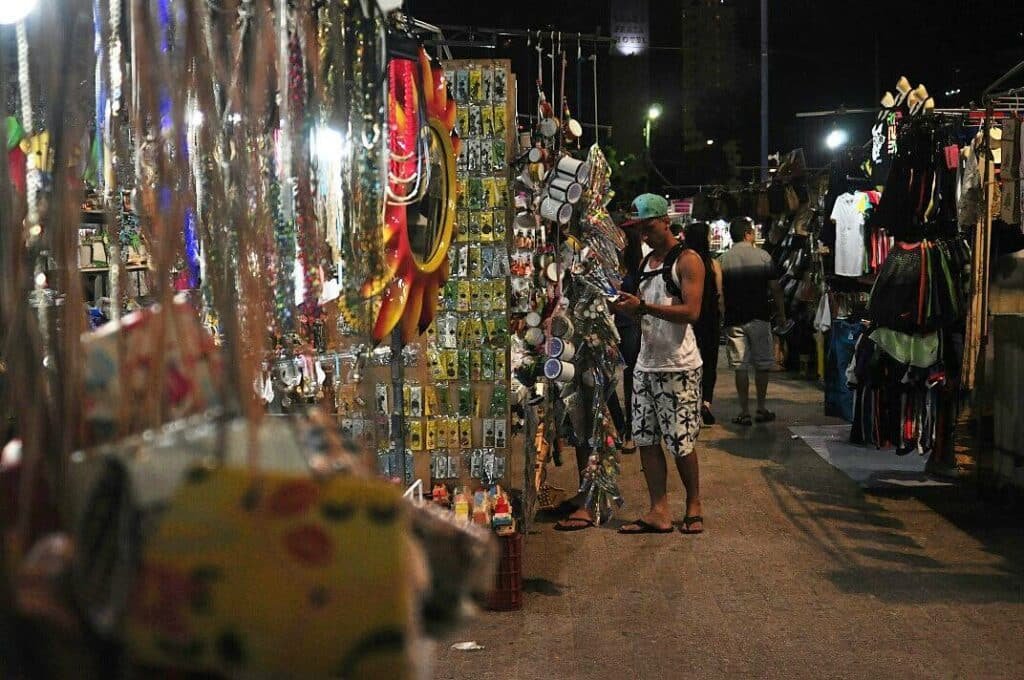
{"points": [[667, 378]]}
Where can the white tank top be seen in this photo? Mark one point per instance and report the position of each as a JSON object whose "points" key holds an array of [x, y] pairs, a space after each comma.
{"points": [[664, 346]]}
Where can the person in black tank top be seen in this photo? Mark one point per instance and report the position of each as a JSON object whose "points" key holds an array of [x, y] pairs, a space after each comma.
{"points": [[708, 328]]}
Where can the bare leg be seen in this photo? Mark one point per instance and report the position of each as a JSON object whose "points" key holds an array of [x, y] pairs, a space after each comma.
{"points": [[689, 473], [743, 390], [656, 474], [761, 381]]}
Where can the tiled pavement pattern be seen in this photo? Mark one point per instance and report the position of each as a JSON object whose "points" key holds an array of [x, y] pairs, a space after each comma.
{"points": [[800, 574]]}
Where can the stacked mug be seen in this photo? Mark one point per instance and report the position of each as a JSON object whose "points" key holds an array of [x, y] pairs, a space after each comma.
{"points": [[561, 351], [565, 189]]}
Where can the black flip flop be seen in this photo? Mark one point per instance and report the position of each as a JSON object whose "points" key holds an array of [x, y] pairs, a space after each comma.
{"points": [[692, 519], [764, 416], [579, 524], [743, 420], [643, 528]]}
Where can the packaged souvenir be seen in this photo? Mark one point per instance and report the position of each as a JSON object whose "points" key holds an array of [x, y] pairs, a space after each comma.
{"points": [[476, 84], [475, 266], [500, 91], [486, 220], [415, 400], [476, 122], [465, 400], [498, 117], [487, 433], [465, 296], [475, 364], [500, 436], [487, 364], [488, 84], [465, 433], [487, 119], [414, 434], [462, 86], [431, 440]]}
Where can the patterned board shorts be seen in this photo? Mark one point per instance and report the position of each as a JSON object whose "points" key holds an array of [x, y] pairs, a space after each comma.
{"points": [[667, 405]]}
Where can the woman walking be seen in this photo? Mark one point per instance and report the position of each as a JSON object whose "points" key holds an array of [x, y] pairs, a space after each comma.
{"points": [[708, 328]]}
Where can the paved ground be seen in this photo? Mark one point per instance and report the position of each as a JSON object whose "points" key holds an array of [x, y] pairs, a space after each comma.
{"points": [[799, 575]]}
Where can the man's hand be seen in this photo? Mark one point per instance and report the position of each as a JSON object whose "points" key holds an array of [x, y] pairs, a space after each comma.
{"points": [[626, 304]]}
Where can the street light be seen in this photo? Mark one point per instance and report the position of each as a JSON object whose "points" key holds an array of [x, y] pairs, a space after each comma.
{"points": [[653, 113], [836, 139], [711, 142], [13, 11]]}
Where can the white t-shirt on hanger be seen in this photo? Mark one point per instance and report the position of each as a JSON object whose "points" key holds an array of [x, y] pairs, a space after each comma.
{"points": [[849, 219]]}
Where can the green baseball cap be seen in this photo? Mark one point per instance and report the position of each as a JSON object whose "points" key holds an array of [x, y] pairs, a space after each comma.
{"points": [[646, 207]]}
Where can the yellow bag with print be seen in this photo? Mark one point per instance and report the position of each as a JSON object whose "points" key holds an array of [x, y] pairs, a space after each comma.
{"points": [[276, 575]]}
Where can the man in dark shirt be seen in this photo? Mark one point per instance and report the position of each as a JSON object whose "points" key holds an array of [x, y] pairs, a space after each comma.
{"points": [[748, 275]]}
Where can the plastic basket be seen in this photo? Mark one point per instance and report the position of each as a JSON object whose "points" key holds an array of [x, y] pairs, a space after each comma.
{"points": [[508, 583]]}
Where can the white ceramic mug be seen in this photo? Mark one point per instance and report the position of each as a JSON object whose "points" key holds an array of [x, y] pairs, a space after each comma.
{"points": [[538, 155], [561, 327], [560, 371], [555, 211], [573, 168], [533, 336], [561, 349], [565, 190]]}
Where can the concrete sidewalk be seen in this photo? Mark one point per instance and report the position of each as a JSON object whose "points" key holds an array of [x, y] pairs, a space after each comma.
{"points": [[800, 574]]}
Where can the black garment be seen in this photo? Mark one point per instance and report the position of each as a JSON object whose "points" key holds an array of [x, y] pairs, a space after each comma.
{"points": [[707, 330], [708, 344], [629, 347], [919, 200]]}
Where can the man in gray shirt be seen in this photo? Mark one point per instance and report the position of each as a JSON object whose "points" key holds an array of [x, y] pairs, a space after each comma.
{"points": [[748, 274]]}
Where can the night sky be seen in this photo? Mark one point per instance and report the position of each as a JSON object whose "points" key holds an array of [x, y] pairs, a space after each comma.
{"points": [[822, 55]]}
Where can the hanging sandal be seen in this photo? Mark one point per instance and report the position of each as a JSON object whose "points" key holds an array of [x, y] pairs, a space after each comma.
{"points": [[689, 520], [742, 419], [764, 416]]}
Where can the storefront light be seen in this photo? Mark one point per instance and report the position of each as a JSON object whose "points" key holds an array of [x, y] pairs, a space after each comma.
{"points": [[13, 11]]}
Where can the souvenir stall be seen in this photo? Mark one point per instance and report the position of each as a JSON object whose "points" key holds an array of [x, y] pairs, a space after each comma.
{"points": [[992, 358], [282, 179]]}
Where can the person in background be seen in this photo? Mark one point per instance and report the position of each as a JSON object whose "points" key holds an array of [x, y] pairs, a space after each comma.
{"points": [[629, 340], [748, 275], [708, 328]]}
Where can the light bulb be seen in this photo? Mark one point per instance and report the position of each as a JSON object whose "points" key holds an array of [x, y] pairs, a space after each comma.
{"points": [[13, 11], [836, 139]]}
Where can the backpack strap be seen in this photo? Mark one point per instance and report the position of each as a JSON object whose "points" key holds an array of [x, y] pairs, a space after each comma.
{"points": [[671, 287]]}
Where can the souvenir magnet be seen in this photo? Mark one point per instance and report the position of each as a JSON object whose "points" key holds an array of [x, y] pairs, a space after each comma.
{"points": [[465, 433], [487, 429], [500, 434], [416, 401]]}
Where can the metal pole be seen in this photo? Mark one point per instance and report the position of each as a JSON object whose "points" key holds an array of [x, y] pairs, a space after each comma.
{"points": [[398, 404], [763, 160], [647, 154]]}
